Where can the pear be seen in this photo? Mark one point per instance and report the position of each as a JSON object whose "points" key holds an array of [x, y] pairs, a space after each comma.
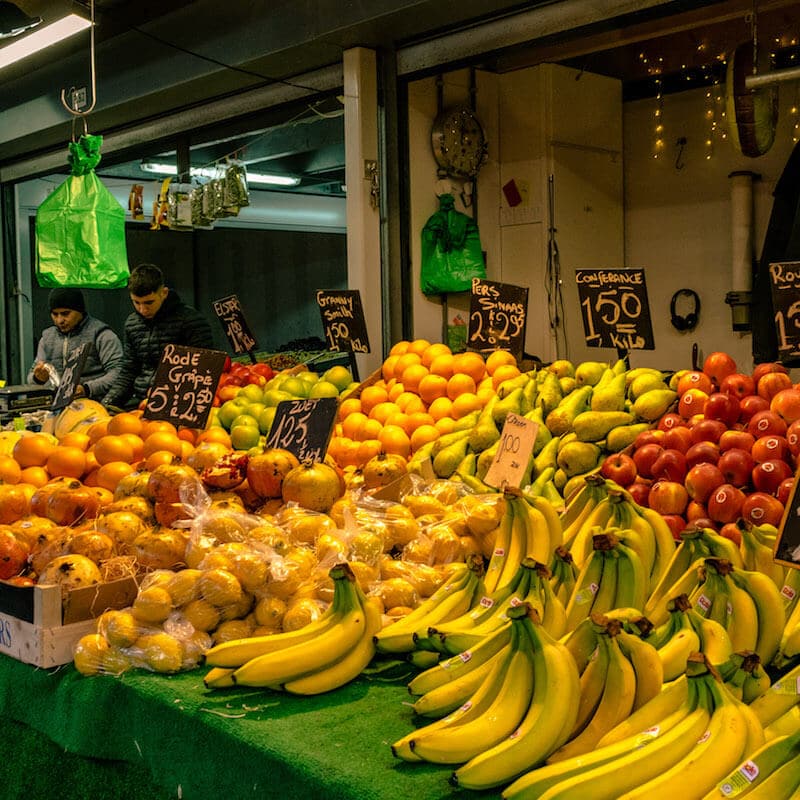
{"points": [[560, 479], [624, 436], [634, 373], [567, 384], [653, 404], [468, 421], [562, 368], [485, 460], [467, 466], [484, 434], [645, 383], [446, 440], [553, 496], [546, 457], [507, 386], [578, 457], [446, 461], [676, 376], [512, 402], [530, 391], [566, 439], [610, 396], [550, 393], [589, 372], [592, 426], [620, 366], [608, 375], [543, 435], [542, 478], [423, 453], [559, 420]]}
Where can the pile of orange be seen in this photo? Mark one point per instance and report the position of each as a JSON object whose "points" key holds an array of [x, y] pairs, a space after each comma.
{"points": [[423, 389]]}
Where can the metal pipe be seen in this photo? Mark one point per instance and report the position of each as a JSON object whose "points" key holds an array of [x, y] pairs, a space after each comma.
{"points": [[768, 78]]}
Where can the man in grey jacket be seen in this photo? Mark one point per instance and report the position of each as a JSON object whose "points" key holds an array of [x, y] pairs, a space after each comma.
{"points": [[72, 327]]}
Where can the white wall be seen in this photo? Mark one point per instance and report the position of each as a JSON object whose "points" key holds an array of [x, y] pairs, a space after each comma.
{"points": [[678, 221]]}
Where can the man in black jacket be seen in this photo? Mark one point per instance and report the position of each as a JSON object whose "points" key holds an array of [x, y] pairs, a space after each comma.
{"points": [[159, 318]]}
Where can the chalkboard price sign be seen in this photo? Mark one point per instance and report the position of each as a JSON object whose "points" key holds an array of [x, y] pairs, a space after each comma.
{"points": [[615, 309], [304, 427], [230, 314], [785, 286], [343, 320], [183, 387], [787, 543], [70, 377], [497, 316]]}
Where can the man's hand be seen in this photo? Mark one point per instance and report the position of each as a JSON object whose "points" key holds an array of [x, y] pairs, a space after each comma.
{"points": [[40, 372]]}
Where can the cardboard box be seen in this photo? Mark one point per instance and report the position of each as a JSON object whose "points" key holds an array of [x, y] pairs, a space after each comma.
{"points": [[38, 628]]}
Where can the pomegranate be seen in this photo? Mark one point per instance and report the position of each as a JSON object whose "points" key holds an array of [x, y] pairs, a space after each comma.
{"points": [[312, 486], [382, 469], [13, 555], [266, 471], [167, 481], [72, 503]]}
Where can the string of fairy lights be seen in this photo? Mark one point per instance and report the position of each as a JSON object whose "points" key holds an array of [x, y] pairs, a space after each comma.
{"points": [[711, 75]]}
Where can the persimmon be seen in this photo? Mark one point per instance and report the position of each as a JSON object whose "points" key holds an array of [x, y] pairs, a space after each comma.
{"points": [[66, 461]]}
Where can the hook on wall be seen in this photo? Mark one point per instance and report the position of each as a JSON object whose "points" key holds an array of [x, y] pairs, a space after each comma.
{"points": [[680, 144], [73, 93]]}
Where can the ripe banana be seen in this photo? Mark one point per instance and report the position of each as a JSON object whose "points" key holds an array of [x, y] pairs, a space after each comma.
{"points": [[581, 544], [580, 603], [664, 540], [715, 643], [779, 698], [646, 665], [219, 678], [519, 544], [743, 619], [632, 578], [756, 682], [564, 574], [769, 608], [757, 555], [502, 545], [782, 784], [591, 686], [675, 653]]}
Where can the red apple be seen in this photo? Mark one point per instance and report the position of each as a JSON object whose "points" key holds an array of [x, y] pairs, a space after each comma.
{"points": [[772, 383], [676, 523], [678, 438], [769, 475], [668, 497], [750, 405], [702, 452], [785, 490], [761, 508], [694, 379], [644, 457], [764, 369], [620, 468], [694, 511], [793, 438], [670, 420], [724, 407], [730, 530], [725, 504], [718, 366], [654, 435], [737, 466], [670, 466], [708, 430], [766, 423], [692, 402], [787, 403], [702, 480], [733, 438], [769, 448], [738, 385], [705, 522], [639, 490]]}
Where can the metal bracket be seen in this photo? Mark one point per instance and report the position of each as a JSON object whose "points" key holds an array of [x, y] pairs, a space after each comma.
{"points": [[371, 175]]}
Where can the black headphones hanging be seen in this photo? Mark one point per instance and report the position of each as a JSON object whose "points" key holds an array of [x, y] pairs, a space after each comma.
{"points": [[685, 322]]}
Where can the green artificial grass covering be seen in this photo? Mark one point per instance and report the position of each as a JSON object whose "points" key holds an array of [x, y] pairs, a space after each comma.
{"points": [[228, 743]]}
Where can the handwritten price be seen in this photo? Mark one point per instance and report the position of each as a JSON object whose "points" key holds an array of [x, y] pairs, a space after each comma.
{"points": [[499, 328]]}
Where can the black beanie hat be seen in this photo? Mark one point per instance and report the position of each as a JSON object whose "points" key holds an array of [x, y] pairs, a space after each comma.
{"points": [[67, 298]]}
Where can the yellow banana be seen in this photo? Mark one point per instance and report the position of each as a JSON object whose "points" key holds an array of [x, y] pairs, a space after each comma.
{"points": [[605, 598], [518, 545], [581, 643], [632, 579], [664, 541], [640, 537], [581, 544], [787, 724], [219, 678], [564, 574], [779, 698], [591, 686], [503, 543], [715, 643], [554, 619], [755, 683], [689, 552], [675, 653], [769, 609], [646, 665], [586, 586], [685, 584], [743, 618], [546, 509], [790, 592], [782, 784], [721, 547], [758, 556]]}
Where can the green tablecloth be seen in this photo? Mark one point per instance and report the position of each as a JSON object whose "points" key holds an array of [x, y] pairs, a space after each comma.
{"points": [[172, 733]]}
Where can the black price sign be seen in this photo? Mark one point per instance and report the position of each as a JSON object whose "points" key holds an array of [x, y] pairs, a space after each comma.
{"points": [[230, 314], [615, 309], [70, 377], [343, 320], [304, 427], [785, 286], [497, 316], [182, 390]]}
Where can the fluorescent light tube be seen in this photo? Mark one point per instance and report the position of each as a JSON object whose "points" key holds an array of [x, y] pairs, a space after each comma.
{"points": [[41, 38], [213, 172]]}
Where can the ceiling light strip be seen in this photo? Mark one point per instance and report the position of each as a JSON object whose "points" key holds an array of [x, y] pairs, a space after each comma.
{"points": [[41, 38]]}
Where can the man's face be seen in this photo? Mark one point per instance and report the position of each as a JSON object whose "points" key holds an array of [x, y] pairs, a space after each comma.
{"points": [[148, 304], [65, 319]]}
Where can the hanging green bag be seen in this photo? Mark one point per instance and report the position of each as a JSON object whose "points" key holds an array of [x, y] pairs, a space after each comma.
{"points": [[80, 227], [451, 250]]}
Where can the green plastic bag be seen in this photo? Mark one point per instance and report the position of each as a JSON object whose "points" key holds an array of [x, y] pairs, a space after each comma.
{"points": [[80, 227], [451, 250]]}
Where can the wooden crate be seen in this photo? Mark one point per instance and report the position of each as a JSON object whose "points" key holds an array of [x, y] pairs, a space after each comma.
{"points": [[38, 628]]}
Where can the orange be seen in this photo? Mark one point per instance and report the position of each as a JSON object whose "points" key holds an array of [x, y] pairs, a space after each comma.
{"points": [[431, 387], [75, 439], [112, 472], [383, 411], [125, 423], [90, 478], [395, 440], [440, 407], [136, 443], [371, 396], [35, 476], [113, 448], [353, 423], [188, 434], [97, 430], [187, 448], [395, 390], [347, 407], [404, 362], [10, 470], [445, 425], [422, 435], [485, 390], [442, 365], [419, 418], [400, 419], [387, 369], [437, 349], [65, 461], [367, 450], [499, 358], [464, 403], [459, 384], [471, 364], [412, 377], [400, 348], [418, 346], [215, 434], [369, 430], [504, 372], [33, 450], [162, 440], [157, 425], [157, 458], [414, 405]]}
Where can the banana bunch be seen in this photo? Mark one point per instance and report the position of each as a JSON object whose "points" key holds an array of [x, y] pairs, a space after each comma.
{"points": [[564, 574], [529, 528], [790, 592], [770, 773], [614, 576], [679, 744], [493, 711], [320, 657], [452, 599], [789, 647], [757, 548]]}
